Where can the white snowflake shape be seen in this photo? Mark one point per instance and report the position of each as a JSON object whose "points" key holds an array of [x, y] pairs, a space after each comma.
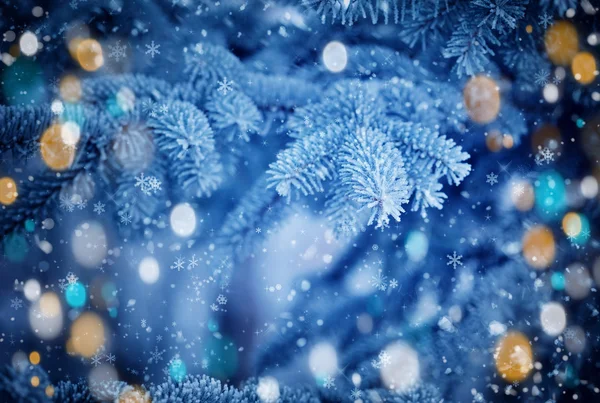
{"points": [[545, 20], [81, 204], [221, 299], [542, 77], [454, 260], [110, 358], [156, 356], [126, 218], [16, 303], [178, 264], [71, 278], [152, 49], [328, 382], [356, 394], [393, 283], [148, 184], [225, 86], [518, 189], [193, 262], [379, 281], [97, 359], [382, 361], [544, 155], [66, 204], [491, 178], [117, 51], [99, 208]]}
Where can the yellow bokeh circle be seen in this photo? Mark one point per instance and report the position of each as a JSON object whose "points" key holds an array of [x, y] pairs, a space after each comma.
{"points": [[482, 99], [8, 191], [539, 247], [34, 358], [583, 67], [514, 357], [87, 334], [89, 54], [57, 154], [561, 42]]}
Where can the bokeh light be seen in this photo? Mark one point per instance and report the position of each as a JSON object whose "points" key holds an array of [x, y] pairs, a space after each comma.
{"points": [[584, 68], [578, 281], [149, 270], [56, 154], [28, 43], [416, 245], [562, 42], [46, 316], [32, 290], [404, 369], [268, 389], [539, 247], [335, 56], [89, 54], [177, 369], [322, 360], [183, 220], [482, 99], [87, 334], [8, 191], [89, 244], [75, 295], [553, 318], [514, 357], [550, 195]]}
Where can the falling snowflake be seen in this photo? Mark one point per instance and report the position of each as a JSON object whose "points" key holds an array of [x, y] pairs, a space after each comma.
{"points": [[81, 203], [518, 189], [16, 303], [221, 299], [126, 218], [156, 356], [193, 262], [164, 108], [99, 208], [97, 359], [454, 260], [117, 51], [148, 184], [382, 361], [225, 86], [328, 382], [542, 77], [545, 155], [214, 307], [149, 106], [178, 264], [66, 204], [492, 178], [356, 394], [393, 283], [110, 358], [545, 20], [152, 49], [71, 278], [379, 281]]}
